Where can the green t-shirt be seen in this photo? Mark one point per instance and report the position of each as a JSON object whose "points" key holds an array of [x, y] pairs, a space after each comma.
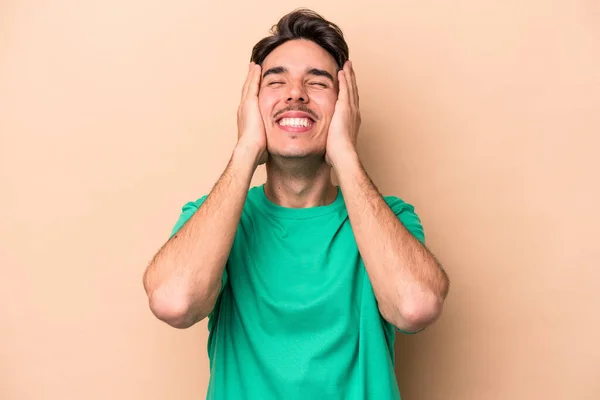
{"points": [[296, 317]]}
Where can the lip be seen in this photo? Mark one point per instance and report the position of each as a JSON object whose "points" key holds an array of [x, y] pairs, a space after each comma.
{"points": [[295, 114]]}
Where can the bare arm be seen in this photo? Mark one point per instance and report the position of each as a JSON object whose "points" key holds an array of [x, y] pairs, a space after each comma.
{"points": [[183, 280], [408, 282]]}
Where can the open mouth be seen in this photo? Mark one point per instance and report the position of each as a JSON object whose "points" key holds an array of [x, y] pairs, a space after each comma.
{"points": [[295, 123]]}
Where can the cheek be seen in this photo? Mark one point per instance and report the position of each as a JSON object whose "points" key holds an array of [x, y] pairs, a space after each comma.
{"points": [[266, 104], [327, 106]]}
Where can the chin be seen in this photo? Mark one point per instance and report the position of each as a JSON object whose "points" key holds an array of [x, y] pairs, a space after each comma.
{"points": [[294, 147], [296, 152]]}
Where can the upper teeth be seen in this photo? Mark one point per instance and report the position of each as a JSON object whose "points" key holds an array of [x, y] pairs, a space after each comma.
{"points": [[295, 122]]}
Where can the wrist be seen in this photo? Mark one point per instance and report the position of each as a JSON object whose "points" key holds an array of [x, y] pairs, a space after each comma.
{"points": [[246, 154], [349, 170], [344, 157]]}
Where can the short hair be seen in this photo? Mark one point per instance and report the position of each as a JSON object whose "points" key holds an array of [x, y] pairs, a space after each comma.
{"points": [[304, 24]]}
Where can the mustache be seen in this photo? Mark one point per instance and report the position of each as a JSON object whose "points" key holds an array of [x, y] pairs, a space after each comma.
{"points": [[301, 108]]}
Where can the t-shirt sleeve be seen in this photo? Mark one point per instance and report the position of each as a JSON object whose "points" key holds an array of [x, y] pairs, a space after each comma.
{"points": [[407, 215], [187, 211], [409, 218]]}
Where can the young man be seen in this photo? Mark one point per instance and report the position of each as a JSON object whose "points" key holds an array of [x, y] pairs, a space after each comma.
{"points": [[304, 283]]}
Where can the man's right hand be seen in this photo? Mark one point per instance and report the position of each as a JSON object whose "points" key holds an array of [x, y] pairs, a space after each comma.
{"points": [[185, 277], [251, 129]]}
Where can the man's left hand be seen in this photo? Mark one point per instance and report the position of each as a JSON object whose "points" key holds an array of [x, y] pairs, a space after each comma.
{"points": [[345, 124]]}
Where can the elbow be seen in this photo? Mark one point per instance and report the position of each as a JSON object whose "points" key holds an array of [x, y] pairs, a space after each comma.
{"points": [[416, 314], [178, 307], [421, 308], [173, 310], [167, 303], [175, 303]]}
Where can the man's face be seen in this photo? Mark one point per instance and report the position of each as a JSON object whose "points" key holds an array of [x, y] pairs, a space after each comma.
{"points": [[297, 98]]}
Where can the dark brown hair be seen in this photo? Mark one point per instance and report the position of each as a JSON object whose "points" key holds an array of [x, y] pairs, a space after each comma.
{"points": [[304, 24]]}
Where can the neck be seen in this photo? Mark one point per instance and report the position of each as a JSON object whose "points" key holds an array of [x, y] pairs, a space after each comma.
{"points": [[299, 182]]}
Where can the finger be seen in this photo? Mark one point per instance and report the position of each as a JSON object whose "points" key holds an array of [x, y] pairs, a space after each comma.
{"points": [[343, 86], [255, 82], [355, 85], [348, 75], [248, 80]]}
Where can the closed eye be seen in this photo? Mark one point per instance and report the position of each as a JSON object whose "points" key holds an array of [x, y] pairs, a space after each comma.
{"points": [[318, 84], [275, 83]]}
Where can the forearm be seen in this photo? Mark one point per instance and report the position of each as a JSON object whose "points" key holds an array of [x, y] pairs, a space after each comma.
{"points": [[184, 278], [408, 282]]}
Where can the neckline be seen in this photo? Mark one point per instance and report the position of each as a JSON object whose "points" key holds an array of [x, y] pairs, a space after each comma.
{"points": [[297, 213]]}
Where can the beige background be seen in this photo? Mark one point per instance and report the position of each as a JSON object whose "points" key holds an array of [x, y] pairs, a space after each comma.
{"points": [[483, 114]]}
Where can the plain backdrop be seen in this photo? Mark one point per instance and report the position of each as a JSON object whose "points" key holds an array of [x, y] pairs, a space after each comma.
{"points": [[485, 115]]}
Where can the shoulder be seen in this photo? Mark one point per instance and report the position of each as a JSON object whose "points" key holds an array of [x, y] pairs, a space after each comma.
{"points": [[398, 205], [408, 216], [187, 211], [193, 205], [190, 207]]}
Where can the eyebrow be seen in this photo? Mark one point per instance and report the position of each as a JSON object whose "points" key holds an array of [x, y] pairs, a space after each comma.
{"points": [[274, 71], [310, 71], [320, 72]]}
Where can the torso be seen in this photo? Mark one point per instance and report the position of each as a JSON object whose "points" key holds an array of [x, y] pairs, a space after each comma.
{"points": [[297, 317]]}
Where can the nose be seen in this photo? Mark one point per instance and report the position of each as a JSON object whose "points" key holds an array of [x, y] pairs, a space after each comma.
{"points": [[296, 93]]}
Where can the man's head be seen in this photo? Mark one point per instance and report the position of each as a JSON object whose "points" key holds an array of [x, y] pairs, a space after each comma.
{"points": [[299, 88]]}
